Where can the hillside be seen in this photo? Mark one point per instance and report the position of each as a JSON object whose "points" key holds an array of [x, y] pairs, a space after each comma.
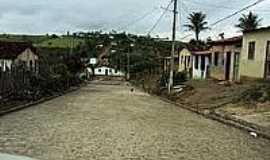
{"points": [[60, 42], [44, 41]]}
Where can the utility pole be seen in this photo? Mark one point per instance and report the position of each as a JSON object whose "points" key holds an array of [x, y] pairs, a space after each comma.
{"points": [[170, 86], [128, 63], [130, 47]]}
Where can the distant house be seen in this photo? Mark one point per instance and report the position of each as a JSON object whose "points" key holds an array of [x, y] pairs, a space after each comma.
{"points": [[107, 71], [225, 54], [185, 61], [14, 53], [255, 56], [201, 64]]}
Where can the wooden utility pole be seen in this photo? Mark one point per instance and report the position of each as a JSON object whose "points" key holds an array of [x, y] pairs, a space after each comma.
{"points": [[170, 86]]}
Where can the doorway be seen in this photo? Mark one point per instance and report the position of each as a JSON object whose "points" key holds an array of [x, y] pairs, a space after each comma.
{"points": [[106, 72], [228, 66], [267, 62], [236, 66]]}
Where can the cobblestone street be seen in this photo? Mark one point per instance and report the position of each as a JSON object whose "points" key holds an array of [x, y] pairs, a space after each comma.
{"points": [[108, 122]]}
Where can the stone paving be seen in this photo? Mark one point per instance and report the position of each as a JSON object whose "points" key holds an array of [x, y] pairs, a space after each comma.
{"points": [[108, 122]]}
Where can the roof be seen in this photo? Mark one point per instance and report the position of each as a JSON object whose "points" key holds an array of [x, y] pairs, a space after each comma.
{"points": [[202, 52], [258, 29], [10, 50], [227, 41]]}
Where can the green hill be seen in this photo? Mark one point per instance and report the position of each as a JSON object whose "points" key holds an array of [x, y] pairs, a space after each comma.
{"points": [[60, 42]]}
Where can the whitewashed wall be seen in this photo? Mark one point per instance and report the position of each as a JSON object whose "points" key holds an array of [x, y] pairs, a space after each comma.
{"points": [[101, 71], [5, 64], [200, 73]]}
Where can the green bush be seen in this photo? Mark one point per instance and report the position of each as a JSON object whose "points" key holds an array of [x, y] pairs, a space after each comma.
{"points": [[257, 93]]}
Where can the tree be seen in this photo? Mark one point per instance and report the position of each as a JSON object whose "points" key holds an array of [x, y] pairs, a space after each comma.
{"points": [[249, 22], [197, 23]]}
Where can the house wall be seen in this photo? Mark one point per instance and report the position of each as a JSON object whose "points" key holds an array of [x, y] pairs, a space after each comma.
{"points": [[101, 71], [219, 71], [254, 68], [5, 64], [200, 73], [29, 58], [184, 65]]}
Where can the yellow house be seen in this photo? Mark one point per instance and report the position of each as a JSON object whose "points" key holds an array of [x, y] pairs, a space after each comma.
{"points": [[255, 56], [185, 61], [225, 58]]}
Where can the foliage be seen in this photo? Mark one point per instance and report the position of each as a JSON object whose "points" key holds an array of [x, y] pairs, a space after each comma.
{"points": [[179, 77], [197, 23], [257, 93], [249, 22], [197, 45]]}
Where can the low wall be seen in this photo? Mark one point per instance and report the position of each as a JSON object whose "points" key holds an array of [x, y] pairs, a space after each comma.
{"points": [[217, 73]]}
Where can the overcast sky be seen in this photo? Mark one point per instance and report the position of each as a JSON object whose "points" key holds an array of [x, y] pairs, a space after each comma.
{"points": [[59, 16]]}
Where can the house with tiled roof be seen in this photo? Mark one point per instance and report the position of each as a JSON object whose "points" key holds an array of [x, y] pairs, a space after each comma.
{"points": [[15, 53], [225, 58]]}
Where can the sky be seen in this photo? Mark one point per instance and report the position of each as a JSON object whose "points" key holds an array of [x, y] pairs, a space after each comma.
{"points": [[60, 16]]}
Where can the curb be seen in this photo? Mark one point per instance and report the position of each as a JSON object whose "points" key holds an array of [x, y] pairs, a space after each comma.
{"points": [[42, 100], [225, 119]]}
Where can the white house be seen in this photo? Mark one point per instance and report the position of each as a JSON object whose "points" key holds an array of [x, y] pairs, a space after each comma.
{"points": [[107, 71], [201, 64]]}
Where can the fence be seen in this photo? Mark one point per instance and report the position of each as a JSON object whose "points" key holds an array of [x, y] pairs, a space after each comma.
{"points": [[20, 84], [13, 82]]}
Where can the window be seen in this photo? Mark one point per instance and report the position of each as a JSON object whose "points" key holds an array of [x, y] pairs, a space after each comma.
{"points": [[99, 70], [196, 62], [216, 57], [251, 50], [115, 71], [110, 70]]}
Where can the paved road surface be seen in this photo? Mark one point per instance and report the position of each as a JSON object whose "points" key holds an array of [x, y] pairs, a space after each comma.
{"points": [[110, 123]]}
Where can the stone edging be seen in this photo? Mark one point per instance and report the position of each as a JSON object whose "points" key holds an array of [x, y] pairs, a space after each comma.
{"points": [[225, 119], [23, 106]]}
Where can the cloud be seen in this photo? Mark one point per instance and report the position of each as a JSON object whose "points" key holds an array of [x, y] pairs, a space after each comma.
{"points": [[58, 16]]}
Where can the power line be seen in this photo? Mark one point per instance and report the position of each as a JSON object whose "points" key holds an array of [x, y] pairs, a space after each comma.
{"points": [[237, 12], [139, 19], [231, 15], [160, 18], [211, 5]]}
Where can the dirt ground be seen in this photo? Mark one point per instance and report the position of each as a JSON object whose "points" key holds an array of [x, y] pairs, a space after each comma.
{"points": [[109, 122], [254, 113], [209, 94]]}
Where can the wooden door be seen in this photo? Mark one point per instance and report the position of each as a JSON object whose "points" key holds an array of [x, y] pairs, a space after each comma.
{"points": [[236, 66], [228, 66]]}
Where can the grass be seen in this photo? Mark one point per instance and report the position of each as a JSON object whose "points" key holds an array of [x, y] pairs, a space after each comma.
{"points": [[43, 40], [61, 42], [23, 38]]}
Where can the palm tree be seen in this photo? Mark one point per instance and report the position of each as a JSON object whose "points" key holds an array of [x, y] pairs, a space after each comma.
{"points": [[249, 22], [197, 23]]}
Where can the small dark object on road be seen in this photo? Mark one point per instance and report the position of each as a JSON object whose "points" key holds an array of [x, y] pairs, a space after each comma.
{"points": [[132, 90]]}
